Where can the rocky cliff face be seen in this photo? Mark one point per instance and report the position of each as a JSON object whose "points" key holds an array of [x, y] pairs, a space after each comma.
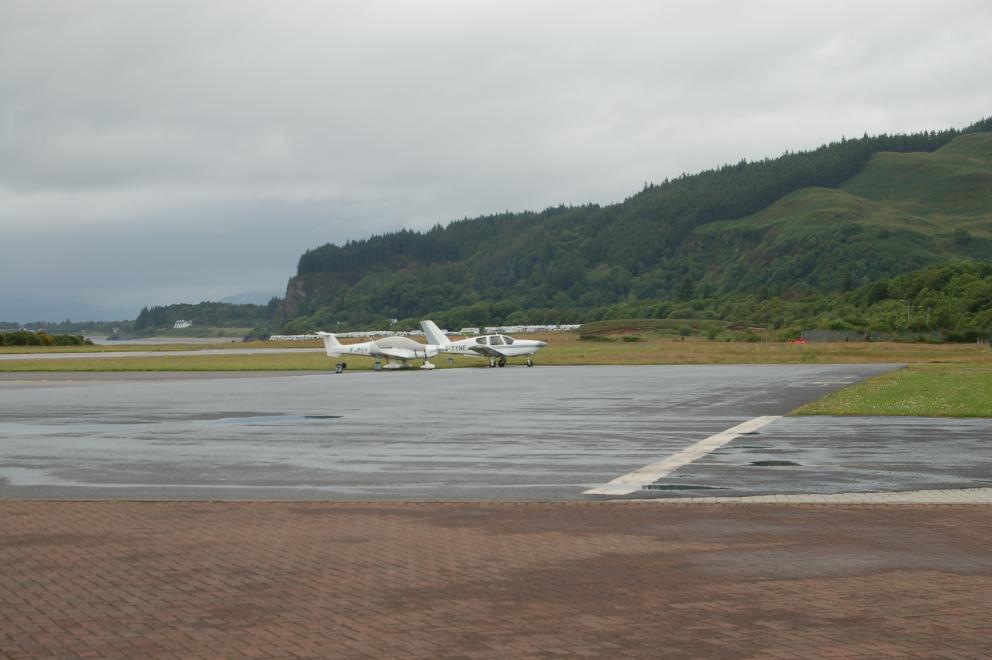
{"points": [[305, 291]]}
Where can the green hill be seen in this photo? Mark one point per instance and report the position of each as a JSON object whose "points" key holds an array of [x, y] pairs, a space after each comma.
{"points": [[902, 212], [954, 181], [829, 220], [207, 318]]}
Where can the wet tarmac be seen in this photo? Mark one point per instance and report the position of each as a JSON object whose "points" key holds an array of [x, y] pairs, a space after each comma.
{"points": [[843, 455], [547, 433]]}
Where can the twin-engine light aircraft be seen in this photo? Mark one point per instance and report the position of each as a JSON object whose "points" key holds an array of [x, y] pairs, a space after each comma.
{"points": [[495, 347], [397, 351]]}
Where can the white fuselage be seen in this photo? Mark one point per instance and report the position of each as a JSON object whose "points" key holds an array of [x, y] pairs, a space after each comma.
{"points": [[397, 351], [496, 348], [487, 345]]}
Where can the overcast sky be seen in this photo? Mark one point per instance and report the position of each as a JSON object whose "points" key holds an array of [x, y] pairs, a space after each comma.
{"points": [[159, 152]]}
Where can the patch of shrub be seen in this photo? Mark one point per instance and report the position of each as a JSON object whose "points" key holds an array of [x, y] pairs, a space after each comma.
{"points": [[29, 338], [594, 338]]}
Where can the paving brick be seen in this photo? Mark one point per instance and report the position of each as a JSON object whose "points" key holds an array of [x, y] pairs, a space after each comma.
{"points": [[352, 580]]}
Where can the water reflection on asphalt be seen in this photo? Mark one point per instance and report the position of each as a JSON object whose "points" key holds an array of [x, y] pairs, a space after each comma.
{"points": [[460, 434]]}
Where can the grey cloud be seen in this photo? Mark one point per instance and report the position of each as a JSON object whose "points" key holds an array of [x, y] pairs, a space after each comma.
{"points": [[324, 121]]}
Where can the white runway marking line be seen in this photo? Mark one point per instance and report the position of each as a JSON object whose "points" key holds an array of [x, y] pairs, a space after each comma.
{"points": [[633, 481]]}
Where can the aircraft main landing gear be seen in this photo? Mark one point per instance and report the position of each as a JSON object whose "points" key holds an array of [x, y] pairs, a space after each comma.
{"points": [[492, 363], [502, 362]]}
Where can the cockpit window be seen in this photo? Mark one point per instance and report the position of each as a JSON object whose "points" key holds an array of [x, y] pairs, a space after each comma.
{"points": [[482, 340], [495, 340], [507, 340]]}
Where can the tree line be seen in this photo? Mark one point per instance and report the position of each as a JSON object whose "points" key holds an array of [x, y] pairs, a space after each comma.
{"points": [[41, 338], [225, 315], [952, 301]]}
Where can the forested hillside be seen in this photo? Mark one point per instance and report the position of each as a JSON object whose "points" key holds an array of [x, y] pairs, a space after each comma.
{"points": [[952, 301], [830, 220], [214, 314]]}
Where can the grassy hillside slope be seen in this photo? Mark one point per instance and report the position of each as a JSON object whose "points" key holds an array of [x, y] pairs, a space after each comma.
{"points": [[952, 186], [902, 212]]}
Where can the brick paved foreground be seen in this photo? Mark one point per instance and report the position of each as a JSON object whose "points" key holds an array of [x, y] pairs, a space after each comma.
{"points": [[189, 580]]}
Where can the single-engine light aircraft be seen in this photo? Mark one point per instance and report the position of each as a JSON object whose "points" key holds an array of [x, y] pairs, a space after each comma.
{"points": [[495, 347], [397, 351]]}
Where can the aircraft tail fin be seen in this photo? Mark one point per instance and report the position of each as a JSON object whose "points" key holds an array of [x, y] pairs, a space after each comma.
{"points": [[434, 334], [331, 344]]}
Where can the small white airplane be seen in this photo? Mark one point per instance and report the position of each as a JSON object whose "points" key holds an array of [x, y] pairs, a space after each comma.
{"points": [[495, 347], [397, 351]]}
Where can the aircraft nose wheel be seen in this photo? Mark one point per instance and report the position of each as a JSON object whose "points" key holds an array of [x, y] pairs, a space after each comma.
{"points": [[530, 363]]}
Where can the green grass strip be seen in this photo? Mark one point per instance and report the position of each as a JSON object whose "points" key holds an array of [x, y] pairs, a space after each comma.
{"points": [[921, 390]]}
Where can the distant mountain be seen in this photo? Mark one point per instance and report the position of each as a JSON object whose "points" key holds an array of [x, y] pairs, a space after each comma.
{"points": [[833, 219]]}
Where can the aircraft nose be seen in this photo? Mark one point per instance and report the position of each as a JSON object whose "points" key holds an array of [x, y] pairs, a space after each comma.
{"points": [[541, 343]]}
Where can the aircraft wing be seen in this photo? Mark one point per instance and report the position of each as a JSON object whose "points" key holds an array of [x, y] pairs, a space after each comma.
{"points": [[488, 351], [394, 353], [400, 353]]}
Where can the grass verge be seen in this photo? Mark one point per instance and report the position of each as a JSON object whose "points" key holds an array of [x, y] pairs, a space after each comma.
{"points": [[920, 390], [563, 349], [567, 349]]}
